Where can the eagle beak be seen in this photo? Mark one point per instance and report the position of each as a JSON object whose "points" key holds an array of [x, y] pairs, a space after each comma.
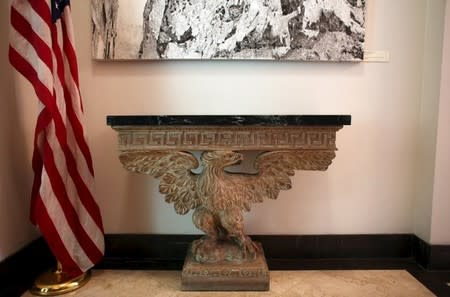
{"points": [[239, 157]]}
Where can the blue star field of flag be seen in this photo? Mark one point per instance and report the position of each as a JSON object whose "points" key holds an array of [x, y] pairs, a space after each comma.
{"points": [[58, 8]]}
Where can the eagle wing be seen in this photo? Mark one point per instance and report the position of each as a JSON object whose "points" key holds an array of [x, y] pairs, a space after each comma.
{"points": [[173, 169], [274, 172]]}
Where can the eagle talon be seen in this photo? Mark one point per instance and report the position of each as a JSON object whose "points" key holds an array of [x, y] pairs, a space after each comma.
{"points": [[249, 248]]}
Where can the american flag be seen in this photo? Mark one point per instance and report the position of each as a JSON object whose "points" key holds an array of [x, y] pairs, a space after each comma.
{"points": [[62, 203]]}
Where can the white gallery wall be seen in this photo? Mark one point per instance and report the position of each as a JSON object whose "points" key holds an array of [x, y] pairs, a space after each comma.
{"points": [[428, 119], [16, 130], [371, 187], [440, 222]]}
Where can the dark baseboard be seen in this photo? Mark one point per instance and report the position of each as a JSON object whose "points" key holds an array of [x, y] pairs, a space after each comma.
{"points": [[283, 252], [431, 257], [141, 251], [145, 251], [18, 272]]}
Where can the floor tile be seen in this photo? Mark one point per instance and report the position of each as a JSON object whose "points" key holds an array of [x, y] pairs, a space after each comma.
{"points": [[323, 283]]}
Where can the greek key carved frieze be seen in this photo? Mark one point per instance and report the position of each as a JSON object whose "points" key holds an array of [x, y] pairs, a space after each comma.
{"points": [[235, 138]]}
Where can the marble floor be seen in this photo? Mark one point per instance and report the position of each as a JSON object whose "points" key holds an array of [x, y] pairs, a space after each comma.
{"points": [[332, 283]]}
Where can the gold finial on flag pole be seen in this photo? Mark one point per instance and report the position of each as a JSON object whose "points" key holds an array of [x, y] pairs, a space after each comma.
{"points": [[56, 282]]}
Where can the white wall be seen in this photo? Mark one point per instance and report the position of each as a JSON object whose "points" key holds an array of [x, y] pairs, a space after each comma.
{"points": [[428, 118], [370, 188], [15, 151], [440, 222]]}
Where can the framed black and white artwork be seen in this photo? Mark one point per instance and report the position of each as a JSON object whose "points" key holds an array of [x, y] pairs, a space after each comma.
{"points": [[300, 30]]}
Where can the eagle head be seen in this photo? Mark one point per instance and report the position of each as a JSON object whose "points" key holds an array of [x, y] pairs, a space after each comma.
{"points": [[221, 158]]}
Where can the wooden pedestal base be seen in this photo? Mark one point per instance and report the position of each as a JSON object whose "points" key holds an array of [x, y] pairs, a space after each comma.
{"points": [[225, 276]]}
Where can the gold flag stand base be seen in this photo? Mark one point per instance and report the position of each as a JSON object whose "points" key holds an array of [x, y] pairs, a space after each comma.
{"points": [[56, 282]]}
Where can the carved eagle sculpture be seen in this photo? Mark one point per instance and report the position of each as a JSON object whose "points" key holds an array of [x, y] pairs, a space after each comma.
{"points": [[217, 196]]}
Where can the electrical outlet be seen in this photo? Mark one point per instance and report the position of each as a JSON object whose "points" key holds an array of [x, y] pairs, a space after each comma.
{"points": [[377, 56]]}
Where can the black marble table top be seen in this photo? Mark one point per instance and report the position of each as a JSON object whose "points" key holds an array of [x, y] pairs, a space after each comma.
{"points": [[229, 120]]}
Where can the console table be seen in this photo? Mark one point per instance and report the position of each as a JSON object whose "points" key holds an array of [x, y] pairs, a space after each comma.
{"points": [[225, 258]]}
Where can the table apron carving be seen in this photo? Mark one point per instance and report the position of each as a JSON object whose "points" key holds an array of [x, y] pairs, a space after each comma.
{"points": [[227, 138]]}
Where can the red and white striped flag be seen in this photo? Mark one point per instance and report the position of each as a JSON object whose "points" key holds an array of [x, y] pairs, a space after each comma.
{"points": [[62, 205]]}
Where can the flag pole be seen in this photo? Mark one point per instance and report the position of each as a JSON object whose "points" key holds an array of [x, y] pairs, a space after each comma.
{"points": [[56, 282]]}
